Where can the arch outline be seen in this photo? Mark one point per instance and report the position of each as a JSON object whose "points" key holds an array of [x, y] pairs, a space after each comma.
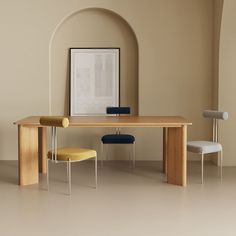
{"points": [[58, 26]]}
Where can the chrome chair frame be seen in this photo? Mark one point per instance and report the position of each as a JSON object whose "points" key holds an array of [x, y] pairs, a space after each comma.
{"points": [[215, 138], [68, 163], [118, 131], [106, 157]]}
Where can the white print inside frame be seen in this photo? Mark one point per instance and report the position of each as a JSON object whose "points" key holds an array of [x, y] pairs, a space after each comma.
{"points": [[94, 80]]}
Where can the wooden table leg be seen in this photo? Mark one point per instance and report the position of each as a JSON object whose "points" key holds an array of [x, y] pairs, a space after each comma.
{"points": [[165, 139], [176, 149], [28, 154], [42, 137]]}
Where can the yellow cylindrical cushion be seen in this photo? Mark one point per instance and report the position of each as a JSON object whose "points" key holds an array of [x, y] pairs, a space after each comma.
{"points": [[74, 154], [57, 121]]}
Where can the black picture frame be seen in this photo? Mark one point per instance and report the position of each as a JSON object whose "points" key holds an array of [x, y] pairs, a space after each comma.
{"points": [[93, 70]]}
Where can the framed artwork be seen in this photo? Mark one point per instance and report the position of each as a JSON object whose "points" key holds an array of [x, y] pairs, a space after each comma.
{"points": [[94, 80]]}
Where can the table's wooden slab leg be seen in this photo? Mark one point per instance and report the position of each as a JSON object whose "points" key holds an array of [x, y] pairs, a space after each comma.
{"points": [[176, 150], [42, 137], [28, 155], [165, 139]]}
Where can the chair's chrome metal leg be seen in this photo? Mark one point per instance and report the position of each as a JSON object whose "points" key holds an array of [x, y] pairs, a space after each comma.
{"points": [[69, 173], [102, 153], [130, 156], [221, 164], [133, 155], [96, 172], [202, 166], [106, 151], [48, 174]]}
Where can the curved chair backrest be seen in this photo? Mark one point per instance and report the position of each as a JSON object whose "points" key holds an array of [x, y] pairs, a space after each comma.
{"points": [[222, 115], [118, 110], [54, 121], [215, 115]]}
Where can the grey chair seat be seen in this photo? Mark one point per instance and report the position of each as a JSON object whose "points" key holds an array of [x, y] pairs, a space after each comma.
{"points": [[203, 147]]}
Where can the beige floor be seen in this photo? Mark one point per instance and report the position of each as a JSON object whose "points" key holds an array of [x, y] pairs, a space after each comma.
{"points": [[126, 203]]}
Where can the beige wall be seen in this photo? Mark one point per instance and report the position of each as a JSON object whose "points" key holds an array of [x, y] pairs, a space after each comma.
{"points": [[218, 8], [174, 68], [227, 80]]}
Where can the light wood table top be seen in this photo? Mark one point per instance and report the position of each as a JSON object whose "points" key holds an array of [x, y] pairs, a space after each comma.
{"points": [[114, 121]]}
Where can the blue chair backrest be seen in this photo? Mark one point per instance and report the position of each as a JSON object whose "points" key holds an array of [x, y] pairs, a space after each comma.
{"points": [[118, 110]]}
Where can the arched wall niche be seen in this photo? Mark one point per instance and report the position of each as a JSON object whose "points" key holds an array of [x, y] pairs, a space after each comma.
{"points": [[92, 27]]}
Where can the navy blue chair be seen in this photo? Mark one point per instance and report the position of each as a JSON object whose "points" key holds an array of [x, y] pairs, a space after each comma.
{"points": [[118, 138]]}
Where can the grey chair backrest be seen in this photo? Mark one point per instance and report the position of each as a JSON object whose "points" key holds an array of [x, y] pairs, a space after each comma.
{"points": [[215, 115], [222, 115]]}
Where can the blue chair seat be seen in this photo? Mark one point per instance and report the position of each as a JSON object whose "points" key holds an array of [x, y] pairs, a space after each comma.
{"points": [[118, 138]]}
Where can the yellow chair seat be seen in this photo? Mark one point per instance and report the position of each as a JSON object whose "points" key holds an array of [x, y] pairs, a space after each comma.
{"points": [[74, 154]]}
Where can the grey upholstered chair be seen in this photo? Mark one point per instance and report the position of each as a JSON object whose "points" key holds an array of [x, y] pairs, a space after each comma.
{"points": [[206, 147]]}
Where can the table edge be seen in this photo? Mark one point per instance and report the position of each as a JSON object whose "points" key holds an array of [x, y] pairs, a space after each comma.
{"points": [[23, 122]]}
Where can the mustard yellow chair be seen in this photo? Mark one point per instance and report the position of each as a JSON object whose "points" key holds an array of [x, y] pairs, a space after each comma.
{"points": [[67, 155]]}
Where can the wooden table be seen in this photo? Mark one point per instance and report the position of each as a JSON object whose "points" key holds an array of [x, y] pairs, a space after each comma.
{"points": [[32, 143]]}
